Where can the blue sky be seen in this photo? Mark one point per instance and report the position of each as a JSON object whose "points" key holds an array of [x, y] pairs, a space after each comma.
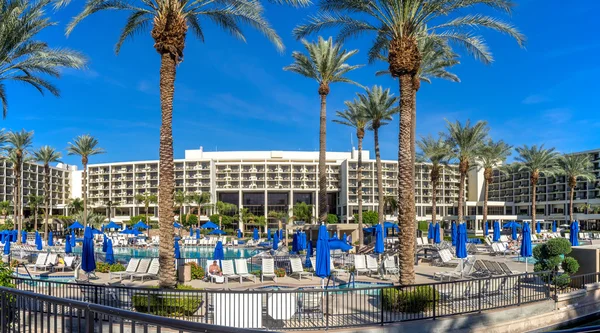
{"points": [[235, 96]]}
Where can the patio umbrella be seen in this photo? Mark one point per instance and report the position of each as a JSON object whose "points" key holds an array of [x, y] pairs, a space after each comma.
{"points": [[553, 226], [389, 225], [177, 225], [23, 237], [338, 244], [110, 255], [135, 232], [496, 231], [323, 261], [378, 239], [76, 225], [218, 254], [191, 232], [104, 243], [485, 228], [255, 235], [295, 243], [177, 251], [574, 236], [126, 232], [307, 262], [14, 236], [461, 244], [453, 233], [198, 233], [538, 227], [514, 226], [50, 239], [436, 233], [7, 248], [140, 225], [68, 247], [217, 232], [430, 231], [88, 262], [276, 241], [72, 238], [239, 233], [38, 241], [345, 238], [526, 248], [269, 234], [96, 231], [112, 225], [209, 225]]}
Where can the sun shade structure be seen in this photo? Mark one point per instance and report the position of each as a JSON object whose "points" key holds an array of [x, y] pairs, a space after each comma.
{"points": [[574, 236], [76, 225], [209, 225], [322, 261], [526, 248]]}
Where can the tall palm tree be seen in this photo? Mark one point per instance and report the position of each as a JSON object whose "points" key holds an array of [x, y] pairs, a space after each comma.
{"points": [[200, 200], [109, 206], [354, 116], [148, 198], [85, 146], [5, 208], [437, 152], [398, 26], [466, 142], [391, 203], [326, 64], [179, 198], [47, 155], [491, 155], [25, 59], [379, 106], [34, 202], [76, 205], [537, 161], [169, 21], [574, 167], [19, 144]]}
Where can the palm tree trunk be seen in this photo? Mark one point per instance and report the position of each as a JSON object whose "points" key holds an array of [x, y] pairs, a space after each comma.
{"points": [[168, 70], [486, 186], [16, 209], [434, 184], [361, 239], [533, 186], [35, 214], [18, 203], [380, 209], [47, 192], [147, 208], [463, 168], [84, 193], [571, 204], [323, 207], [406, 183]]}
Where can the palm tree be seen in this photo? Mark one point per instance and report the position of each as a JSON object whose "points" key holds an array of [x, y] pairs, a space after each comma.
{"points": [[326, 64], [379, 106], [93, 219], [4, 208], [491, 155], [437, 152], [354, 116], [147, 198], [466, 142], [25, 59], [391, 203], [574, 167], [109, 206], [279, 217], [398, 26], [537, 160], [34, 202], [179, 198], [85, 146], [200, 200], [170, 21], [76, 205], [47, 155], [19, 144]]}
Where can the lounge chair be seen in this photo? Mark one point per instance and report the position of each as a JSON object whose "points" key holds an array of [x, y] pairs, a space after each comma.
{"points": [[39, 262], [372, 265], [298, 269], [360, 265], [130, 269], [506, 269], [241, 268], [311, 304], [493, 269], [268, 269], [67, 263], [151, 273], [212, 277], [227, 269], [335, 271], [390, 267]]}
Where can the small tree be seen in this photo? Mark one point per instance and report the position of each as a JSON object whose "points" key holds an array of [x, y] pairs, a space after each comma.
{"points": [[550, 256], [332, 218], [369, 217]]}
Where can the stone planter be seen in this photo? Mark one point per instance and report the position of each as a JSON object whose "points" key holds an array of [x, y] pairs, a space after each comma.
{"points": [[185, 273]]}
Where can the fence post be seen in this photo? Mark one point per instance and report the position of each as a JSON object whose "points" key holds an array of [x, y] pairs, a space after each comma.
{"points": [[381, 303], [434, 303], [479, 292], [89, 321], [4, 311], [95, 294], [518, 289], [206, 307], [326, 309]]}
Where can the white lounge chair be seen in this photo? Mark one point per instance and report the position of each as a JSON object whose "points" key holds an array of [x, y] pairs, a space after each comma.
{"points": [[360, 265], [227, 269], [39, 261], [241, 269], [372, 265], [130, 269], [390, 267], [151, 273], [212, 277], [268, 269], [298, 269]]}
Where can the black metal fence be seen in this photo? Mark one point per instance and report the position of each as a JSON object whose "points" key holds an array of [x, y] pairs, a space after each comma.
{"points": [[280, 308], [22, 311], [565, 284]]}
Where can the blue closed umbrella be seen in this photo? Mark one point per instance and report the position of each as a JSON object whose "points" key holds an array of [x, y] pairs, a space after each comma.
{"points": [[191, 232], [104, 243], [496, 231], [430, 231], [269, 234], [38, 241], [323, 261], [23, 237], [15, 236], [553, 226], [197, 233], [72, 239], [378, 239], [276, 241], [218, 254], [538, 227], [239, 233], [177, 251], [88, 262], [485, 228], [209, 225], [255, 235], [574, 236], [345, 238], [453, 232], [307, 262], [461, 243], [295, 243], [50, 239], [110, 256], [514, 226], [526, 248], [76, 225], [6, 248], [436, 234], [68, 248]]}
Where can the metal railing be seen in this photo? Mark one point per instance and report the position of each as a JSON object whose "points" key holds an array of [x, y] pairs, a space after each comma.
{"points": [[281, 308], [22, 311]]}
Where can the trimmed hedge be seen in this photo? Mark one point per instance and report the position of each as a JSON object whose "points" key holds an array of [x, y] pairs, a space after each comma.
{"points": [[417, 300], [176, 305]]}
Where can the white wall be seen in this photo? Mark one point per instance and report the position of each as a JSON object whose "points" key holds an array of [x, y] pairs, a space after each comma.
{"points": [[76, 184]]}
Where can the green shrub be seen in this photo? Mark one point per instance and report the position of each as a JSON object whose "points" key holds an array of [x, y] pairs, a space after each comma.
{"points": [[10, 310], [102, 267], [135, 219], [190, 219], [280, 272], [332, 218], [561, 281], [423, 226], [417, 300], [229, 231], [369, 217], [116, 267], [550, 255], [167, 305], [197, 271], [256, 273], [570, 265]]}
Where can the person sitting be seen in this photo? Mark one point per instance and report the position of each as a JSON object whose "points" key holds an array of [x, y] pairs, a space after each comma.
{"points": [[214, 269]]}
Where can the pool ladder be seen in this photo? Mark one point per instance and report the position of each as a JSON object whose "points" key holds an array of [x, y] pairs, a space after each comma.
{"points": [[26, 270]]}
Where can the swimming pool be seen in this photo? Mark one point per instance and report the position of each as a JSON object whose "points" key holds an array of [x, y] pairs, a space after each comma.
{"points": [[188, 252], [352, 285], [41, 277]]}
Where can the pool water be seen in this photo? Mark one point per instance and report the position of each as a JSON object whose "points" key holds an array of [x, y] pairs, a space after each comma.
{"points": [[188, 252], [40, 278], [354, 285]]}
